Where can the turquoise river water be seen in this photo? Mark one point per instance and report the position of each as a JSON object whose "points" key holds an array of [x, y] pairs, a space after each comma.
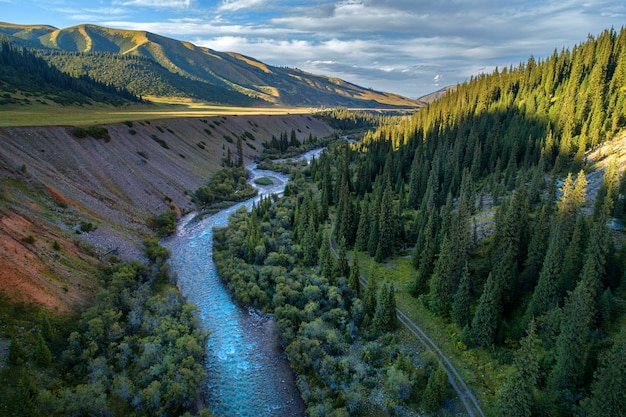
{"points": [[248, 373]]}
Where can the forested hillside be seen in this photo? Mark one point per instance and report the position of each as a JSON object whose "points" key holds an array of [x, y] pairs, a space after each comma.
{"points": [[141, 75], [484, 192], [26, 77]]}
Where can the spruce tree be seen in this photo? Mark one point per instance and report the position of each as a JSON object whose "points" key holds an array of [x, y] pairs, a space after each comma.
{"points": [[572, 343], [485, 321], [607, 391], [385, 318], [515, 398], [326, 259], [386, 225], [440, 285], [461, 301], [17, 354], [435, 390], [426, 259], [536, 250], [41, 353], [363, 229], [239, 153], [354, 281]]}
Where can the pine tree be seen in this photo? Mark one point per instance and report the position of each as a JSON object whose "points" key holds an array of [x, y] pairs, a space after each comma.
{"points": [[239, 153], [572, 343], [326, 259], [354, 281], [369, 298], [17, 354], [461, 302], [310, 244], [609, 385], [386, 225], [435, 390], [573, 258], [345, 225], [385, 318], [515, 398], [536, 250], [485, 321], [363, 229], [341, 266], [440, 285], [426, 259], [42, 354]]}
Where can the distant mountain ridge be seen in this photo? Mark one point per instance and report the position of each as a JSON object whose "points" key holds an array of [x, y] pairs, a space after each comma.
{"points": [[227, 76]]}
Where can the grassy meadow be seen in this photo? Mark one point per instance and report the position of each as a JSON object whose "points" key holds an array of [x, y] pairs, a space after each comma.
{"points": [[39, 114]]}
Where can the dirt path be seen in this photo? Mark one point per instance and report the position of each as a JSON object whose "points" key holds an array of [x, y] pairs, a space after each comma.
{"points": [[456, 380]]}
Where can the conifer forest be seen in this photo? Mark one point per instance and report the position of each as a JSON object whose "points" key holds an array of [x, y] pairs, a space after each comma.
{"points": [[539, 292]]}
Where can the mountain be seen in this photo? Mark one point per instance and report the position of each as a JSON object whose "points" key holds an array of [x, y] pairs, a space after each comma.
{"points": [[183, 68]]}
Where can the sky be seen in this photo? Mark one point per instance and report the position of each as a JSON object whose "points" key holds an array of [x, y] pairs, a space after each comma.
{"points": [[408, 47]]}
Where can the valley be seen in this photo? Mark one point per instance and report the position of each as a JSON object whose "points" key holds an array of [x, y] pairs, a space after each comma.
{"points": [[53, 182], [486, 221]]}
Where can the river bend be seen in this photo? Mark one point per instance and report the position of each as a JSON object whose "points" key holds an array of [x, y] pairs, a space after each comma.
{"points": [[248, 373]]}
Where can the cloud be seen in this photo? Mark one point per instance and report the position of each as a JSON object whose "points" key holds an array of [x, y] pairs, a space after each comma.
{"points": [[160, 4], [234, 5], [404, 46]]}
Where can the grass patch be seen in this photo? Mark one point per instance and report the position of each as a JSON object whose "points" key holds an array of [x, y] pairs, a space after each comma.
{"points": [[56, 115], [263, 181]]}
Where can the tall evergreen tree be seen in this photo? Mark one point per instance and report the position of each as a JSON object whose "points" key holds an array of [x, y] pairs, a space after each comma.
{"points": [[426, 258], [386, 225], [485, 321], [572, 343], [440, 285], [607, 391], [363, 229], [461, 301], [326, 259], [385, 318], [515, 397], [354, 281], [536, 250]]}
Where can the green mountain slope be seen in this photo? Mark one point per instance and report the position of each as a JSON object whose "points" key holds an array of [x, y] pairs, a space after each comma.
{"points": [[24, 77], [231, 71]]}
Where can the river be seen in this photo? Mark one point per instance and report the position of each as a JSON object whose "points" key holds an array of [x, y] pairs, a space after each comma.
{"points": [[248, 372]]}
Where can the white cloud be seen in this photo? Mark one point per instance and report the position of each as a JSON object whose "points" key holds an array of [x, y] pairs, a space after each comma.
{"points": [[404, 46], [167, 4], [234, 5]]}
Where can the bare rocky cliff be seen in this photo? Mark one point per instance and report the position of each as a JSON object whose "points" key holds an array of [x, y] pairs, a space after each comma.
{"points": [[55, 189]]}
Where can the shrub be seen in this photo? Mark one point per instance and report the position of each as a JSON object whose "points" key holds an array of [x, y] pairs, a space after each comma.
{"points": [[96, 132], [160, 141], [87, 227]]}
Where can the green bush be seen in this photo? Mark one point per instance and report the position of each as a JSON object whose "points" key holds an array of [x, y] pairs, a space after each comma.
{"points": [[94, 131], [160, 141]]}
